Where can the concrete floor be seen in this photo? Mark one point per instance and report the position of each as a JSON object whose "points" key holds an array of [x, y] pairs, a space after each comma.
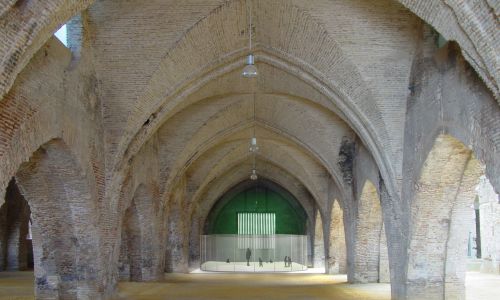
{"points": [[19, 286], [252, 286]]}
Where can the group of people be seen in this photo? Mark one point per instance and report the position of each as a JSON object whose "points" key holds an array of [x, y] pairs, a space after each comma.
{"points": [[288, 259]]}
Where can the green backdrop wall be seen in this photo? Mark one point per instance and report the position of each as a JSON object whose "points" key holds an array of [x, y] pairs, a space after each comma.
{"points": [[290, 216]]}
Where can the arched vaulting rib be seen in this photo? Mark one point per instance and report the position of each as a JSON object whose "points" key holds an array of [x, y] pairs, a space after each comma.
{"points": [[243, 141], [169, 85], [473, 27], [150, 128], [209, 123], [216, 185], [314, 69], [29, 41], [214, 162], [205, 200], [281, 150], [314, 177], [238, 174], [237, 107]]}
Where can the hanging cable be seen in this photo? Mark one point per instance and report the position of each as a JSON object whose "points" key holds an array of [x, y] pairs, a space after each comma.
{"points": [[249, 71]]}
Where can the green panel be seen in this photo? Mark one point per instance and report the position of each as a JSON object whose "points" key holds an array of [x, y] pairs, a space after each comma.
{"points": [[290, 216]]}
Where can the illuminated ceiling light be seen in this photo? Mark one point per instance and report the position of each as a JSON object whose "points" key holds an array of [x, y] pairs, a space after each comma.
{"points": [[254, 176], [250, 70]]}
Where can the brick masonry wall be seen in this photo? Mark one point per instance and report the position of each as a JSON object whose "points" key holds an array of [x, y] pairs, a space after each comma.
{"points": [[169, 110], [337, 248]]}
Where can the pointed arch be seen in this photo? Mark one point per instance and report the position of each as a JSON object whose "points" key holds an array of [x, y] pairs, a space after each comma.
{"points": [[439, 215]]}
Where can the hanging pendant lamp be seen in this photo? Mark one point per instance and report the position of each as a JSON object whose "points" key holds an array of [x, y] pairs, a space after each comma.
{"points": [[250, 70], [254, 176]]}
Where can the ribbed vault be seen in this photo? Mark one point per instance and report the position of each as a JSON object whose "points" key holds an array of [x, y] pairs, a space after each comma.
{"points": [[156, 121], [215, 121]]}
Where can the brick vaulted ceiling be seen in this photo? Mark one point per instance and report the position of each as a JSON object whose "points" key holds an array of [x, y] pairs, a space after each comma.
{"points": [[199, 61], [147, 110]]}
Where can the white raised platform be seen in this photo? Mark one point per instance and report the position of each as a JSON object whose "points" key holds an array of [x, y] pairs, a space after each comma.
{"points": [[221, 266]]}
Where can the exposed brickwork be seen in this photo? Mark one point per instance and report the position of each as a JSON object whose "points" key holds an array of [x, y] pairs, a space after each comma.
{"points": [[122, 143], [14, 244], [319, 243], [445, 187], [368, 228], [65, 234], [337, 257]]}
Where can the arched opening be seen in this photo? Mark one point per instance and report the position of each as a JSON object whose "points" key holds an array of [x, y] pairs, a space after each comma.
{"points": [[443, 214], [255, 227], [337, 257], [16, 251]]}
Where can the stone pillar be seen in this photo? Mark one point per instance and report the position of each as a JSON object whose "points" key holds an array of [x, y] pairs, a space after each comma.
{"points": [[337, 258], [3, 236], [14, 244], [123, 261], [177, 246], [461, 221], [367, 238], [67, 247], [436, 219], [319, 243], [489, 210], [396, 233], [384, 275], [194, 244]]}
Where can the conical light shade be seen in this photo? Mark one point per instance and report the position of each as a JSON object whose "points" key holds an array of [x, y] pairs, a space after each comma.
{"points": [[254, 176], [249, 71], [253, 145]]}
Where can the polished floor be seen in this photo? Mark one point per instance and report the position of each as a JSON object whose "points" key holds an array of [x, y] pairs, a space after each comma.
{"points": [[19, 286]]}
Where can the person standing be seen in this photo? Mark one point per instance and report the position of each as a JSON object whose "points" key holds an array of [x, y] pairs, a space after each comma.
{"points": [[248, 255]]}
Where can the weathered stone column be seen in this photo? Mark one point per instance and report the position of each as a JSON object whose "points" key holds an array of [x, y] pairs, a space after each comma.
{"points": [[319, 242], [337, 262], [367, 239], [456, 257], [383, 265], [396, 232], [434, 230], [177, 246]]}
